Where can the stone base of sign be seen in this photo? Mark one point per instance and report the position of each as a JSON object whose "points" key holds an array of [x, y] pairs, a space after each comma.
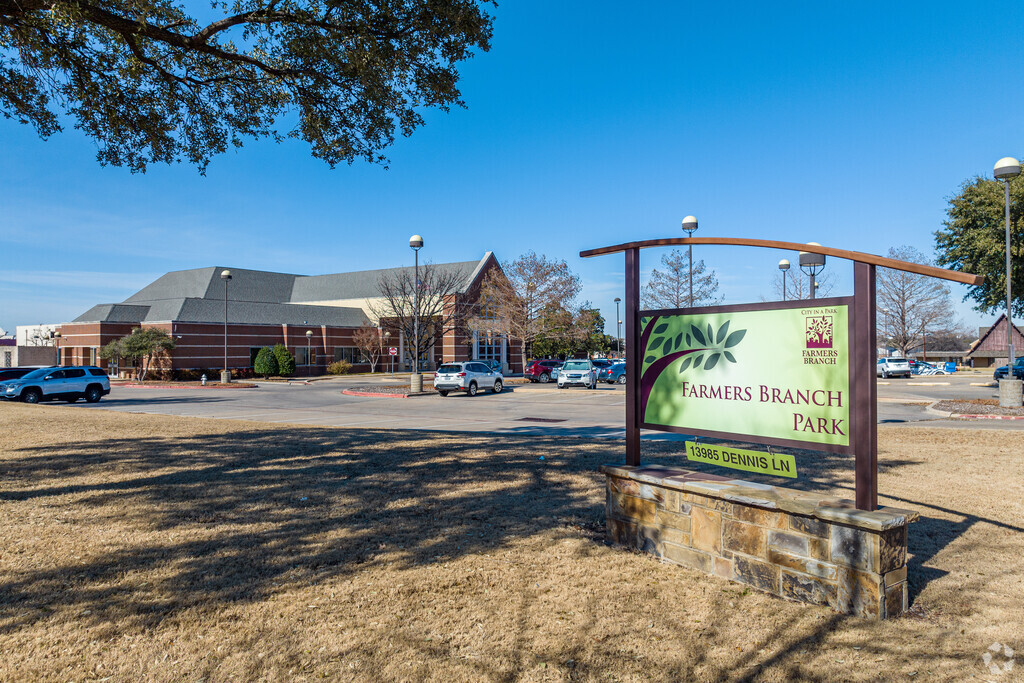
{"points": [[798, 545], [1010, 393]]}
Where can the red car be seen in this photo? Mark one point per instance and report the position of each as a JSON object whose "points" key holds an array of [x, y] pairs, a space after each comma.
{"points": [[541, 370]]}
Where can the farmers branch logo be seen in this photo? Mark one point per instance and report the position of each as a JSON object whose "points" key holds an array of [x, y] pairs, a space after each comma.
{"points": [[819, 332], [998, 659]]}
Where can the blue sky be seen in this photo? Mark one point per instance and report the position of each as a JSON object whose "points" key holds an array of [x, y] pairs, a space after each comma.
{"points": [[587, 124]]}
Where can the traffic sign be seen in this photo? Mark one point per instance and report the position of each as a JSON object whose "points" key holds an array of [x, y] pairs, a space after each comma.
{"points": [[392, 351]]}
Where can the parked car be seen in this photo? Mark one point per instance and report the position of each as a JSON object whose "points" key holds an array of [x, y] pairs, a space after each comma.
{"points": [[59, 383], [892, 367], [471, 377], [14, 373], [542, 371], [577, 372], [922, 368], [1018, 370], [613, 374]]}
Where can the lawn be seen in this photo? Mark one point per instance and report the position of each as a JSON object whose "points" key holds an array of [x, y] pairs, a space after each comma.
{"points": [[142, 547]]}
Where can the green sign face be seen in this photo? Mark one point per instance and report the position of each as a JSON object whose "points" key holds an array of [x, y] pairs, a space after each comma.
{"points": [[778, 464], [777, 374]]}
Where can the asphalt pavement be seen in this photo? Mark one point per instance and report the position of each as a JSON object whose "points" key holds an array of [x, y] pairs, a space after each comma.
{"points": [[521, 409]]}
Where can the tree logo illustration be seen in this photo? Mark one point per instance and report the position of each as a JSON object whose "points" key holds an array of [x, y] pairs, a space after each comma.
{"points": [[819, 332]]}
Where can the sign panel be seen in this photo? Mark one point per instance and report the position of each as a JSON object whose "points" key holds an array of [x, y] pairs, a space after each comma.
{"points": [[392, 351], [777, 464], [774, 373]]}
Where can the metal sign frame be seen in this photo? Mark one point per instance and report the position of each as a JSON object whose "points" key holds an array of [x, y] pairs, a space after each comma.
{"points": [[863, 387]]}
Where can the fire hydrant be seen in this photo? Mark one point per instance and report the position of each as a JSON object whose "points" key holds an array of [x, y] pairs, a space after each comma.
{"points": [[203, 378]]}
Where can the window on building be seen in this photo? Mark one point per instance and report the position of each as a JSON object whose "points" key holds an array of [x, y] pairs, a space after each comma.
{"points": [[491, 350], [7, 358], [305, 355], [92, 355], [348, 353]]}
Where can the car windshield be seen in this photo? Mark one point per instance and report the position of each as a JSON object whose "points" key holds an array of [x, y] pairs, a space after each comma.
{"points": [[576, 365], [36, 374], [450, 368]]}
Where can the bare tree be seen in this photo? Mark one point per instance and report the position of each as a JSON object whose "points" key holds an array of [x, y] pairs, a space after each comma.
{"points": [[909, 305], [369, 339], [670, 288], [514, 299], [798, 285], [440, 306]]}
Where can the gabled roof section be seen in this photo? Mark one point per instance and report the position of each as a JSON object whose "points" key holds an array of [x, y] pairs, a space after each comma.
{"points": [[114, 313], [205, 283], [363, 284], [999, 324]]}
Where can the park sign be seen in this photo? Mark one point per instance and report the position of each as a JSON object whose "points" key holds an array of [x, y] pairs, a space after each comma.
{"points": [[772, 373], [775, 350]]}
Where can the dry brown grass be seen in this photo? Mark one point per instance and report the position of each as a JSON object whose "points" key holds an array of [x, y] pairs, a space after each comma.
{"points": [[138, 547]]}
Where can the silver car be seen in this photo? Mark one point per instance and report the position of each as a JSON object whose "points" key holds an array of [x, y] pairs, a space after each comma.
{"points": [[892, 367], [470, 376], [58, 383], [581, 373]]}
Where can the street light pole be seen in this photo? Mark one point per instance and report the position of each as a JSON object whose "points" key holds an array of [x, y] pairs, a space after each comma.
{"points": [[618, 331], [225, 375], [812, 264], [784, 266], [689, 226], [1006, 169], [416, 380]]}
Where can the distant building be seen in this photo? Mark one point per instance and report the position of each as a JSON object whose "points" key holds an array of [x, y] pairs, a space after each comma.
{"points": [[266, 308], [991, 348]]}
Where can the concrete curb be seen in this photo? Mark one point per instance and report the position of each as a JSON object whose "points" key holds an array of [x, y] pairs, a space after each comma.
{"points": [[233, 385], [378, 394], [985, 416]]}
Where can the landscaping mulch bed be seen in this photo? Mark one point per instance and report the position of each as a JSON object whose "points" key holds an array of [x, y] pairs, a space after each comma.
{"points": [[183, 385], [389, 389], [160, 548], [977, 406]]}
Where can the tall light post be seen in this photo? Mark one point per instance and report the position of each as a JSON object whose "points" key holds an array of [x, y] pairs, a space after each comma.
{"points": [[391, 359], [56, 342], [1007, 169], [812, 264], [689, 227], [784, 266], [309, 361], [416, 380], [618, 329], [225, 374]]}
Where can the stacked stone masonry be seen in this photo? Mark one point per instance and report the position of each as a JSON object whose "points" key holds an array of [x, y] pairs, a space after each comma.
{"points": [[797, 545]]}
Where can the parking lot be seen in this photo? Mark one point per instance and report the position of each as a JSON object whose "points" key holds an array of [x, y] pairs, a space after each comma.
{"points": [[521, 409]]}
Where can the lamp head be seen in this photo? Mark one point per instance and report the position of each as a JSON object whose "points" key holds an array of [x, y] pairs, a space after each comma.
{"points": [[1007, 168], [784, 264], [809, 260], [309, 333], [225, 275], [617, 299], [416, 242], [690, 224]]}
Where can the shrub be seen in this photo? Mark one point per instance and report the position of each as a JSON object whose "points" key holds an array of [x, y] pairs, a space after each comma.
{"points": [[266, 363], [339, 367], [285, 360]]}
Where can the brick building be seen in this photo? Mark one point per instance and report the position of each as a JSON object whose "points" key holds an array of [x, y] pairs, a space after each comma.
{"points": [[991, 348], [266, 308]]}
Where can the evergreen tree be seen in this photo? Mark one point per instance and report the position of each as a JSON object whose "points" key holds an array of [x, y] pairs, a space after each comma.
{"points": [[266, 363], [285, 360]]}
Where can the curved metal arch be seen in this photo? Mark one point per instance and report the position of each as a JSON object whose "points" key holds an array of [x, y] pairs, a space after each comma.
{"points": [[856, 256]]}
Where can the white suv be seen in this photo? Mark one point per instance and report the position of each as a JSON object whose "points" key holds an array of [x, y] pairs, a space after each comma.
{"points": [[579, 373], [892, 367], [68, 384], [471, 377]]}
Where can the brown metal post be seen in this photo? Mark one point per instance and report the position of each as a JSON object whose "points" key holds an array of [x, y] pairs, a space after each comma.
{"points": [[864, 401], [633, 355]]}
